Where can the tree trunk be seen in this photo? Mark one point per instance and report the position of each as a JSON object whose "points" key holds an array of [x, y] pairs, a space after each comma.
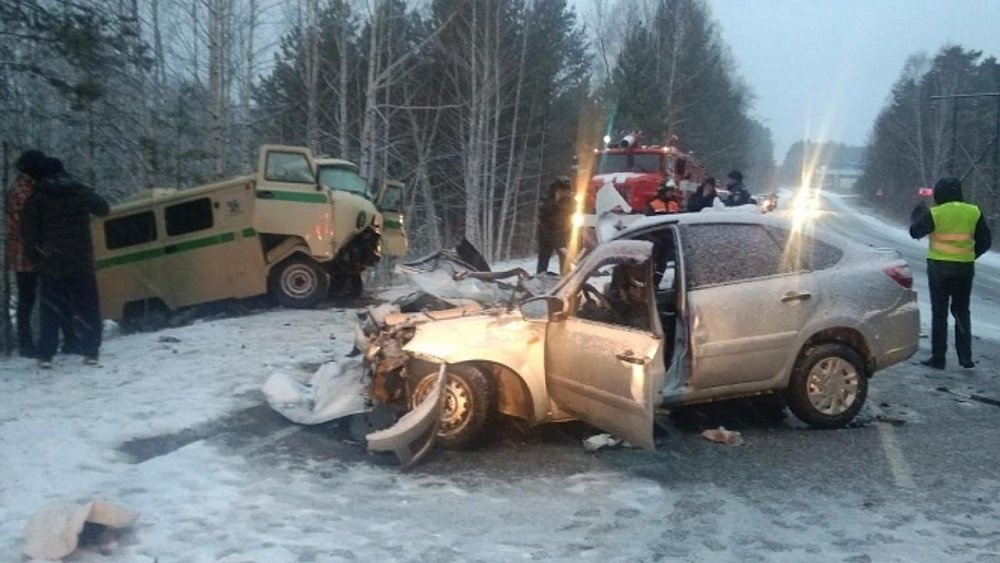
{"points": [[216, 90], [249, 147], [367, 163], [312, 75], [343, 143]]}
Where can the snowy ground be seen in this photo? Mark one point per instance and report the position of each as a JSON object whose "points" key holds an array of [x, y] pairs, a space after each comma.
{"points": [[161, 427]]}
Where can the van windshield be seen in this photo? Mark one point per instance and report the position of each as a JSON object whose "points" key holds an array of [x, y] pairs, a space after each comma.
{"points": [[343, 179], [628, 162]]}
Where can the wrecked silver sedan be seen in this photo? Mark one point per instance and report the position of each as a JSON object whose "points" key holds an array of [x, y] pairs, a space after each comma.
{"points": [[680, 310]]}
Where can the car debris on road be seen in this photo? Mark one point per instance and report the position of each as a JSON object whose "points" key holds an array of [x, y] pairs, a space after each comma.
{"points": [[723, 436]]}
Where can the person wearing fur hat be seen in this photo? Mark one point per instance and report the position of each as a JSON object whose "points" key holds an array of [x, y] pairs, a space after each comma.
{"points": [[959, 235], [55, 230]]}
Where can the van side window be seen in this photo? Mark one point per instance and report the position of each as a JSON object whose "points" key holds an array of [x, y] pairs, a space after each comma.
{"points": [[130, 230], [288, 167], [189, 217]]}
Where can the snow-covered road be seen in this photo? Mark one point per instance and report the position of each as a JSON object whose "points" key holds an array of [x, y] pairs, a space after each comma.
{"points": [[171, 425]]}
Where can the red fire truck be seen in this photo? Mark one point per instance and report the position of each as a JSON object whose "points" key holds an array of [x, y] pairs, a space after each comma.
{"points": [[637, 170]]}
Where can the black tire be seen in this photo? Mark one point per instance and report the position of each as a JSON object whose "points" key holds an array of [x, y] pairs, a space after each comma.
{"points": [[828, 386], [470, 405], [298, 283], [149, 315]]}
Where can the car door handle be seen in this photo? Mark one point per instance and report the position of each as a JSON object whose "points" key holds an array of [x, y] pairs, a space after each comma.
{"points": [[795, 296], [265, 194], [628, 356], [170, 249]]}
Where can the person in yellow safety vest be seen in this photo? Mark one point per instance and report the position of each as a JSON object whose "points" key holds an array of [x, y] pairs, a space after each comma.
{"points": [[958, 235], [665, 200]]}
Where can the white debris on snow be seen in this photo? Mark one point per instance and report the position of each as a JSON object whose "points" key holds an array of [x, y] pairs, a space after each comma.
{"points": [[336, 390], [598, 441], [54, 531]]}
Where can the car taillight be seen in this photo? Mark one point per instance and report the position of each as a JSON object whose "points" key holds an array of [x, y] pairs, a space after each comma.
{"points": [[900, 273]]}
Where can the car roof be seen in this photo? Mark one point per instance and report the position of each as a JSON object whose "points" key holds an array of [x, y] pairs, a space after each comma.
{"points": [[747, 214]]}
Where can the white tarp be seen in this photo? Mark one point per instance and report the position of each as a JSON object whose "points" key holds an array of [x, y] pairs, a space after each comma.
{"points": [[336, 390], [54, 531]]}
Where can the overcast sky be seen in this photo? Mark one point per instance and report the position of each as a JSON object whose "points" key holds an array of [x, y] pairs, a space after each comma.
{"points": [[822, 69]]}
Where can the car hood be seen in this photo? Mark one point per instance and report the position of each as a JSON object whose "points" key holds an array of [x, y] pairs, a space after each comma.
{"points": [[482, 336]]}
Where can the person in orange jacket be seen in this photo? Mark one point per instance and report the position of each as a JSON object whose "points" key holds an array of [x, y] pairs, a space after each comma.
{"points": [[666, 200]]}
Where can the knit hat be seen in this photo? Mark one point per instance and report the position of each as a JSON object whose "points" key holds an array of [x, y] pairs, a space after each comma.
{"points": [[31, 163], [50, 167], [948, 189]]}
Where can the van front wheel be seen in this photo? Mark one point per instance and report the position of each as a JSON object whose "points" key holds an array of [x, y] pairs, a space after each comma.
{"points": [[299, 283]]}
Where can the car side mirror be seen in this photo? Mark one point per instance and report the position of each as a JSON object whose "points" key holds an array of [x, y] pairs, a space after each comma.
{"points": [[541, 308]]}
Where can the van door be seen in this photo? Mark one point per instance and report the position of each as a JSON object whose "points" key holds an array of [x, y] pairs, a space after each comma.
{"points": [[245, 263], [390, 203], [125, 250], [290, 201], [604, 358], [281, 167]]}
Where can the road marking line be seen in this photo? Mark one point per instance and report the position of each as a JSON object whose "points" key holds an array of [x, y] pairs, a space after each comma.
{"points": [[901, 472]]}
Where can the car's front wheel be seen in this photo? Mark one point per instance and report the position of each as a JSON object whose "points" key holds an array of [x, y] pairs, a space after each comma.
{"points": [[470, 404], [828, 386]]}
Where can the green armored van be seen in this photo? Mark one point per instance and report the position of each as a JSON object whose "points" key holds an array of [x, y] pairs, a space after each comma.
{"points": [[298, 230]]}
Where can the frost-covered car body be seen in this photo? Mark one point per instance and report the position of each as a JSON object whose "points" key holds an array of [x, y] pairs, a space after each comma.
{"points": [[678, 310]]}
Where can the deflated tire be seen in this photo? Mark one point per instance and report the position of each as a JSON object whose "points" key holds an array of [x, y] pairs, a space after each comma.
{"points": [[470, 404]]}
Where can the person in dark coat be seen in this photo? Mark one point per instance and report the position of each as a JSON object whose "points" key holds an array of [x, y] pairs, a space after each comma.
{"points": [[55, 230], [555, 218], [704, 196], [959, 235], [30, 165], [738, 194]]}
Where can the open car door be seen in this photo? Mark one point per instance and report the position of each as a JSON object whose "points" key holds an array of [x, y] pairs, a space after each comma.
{"points": [[604, 355], [390, 204]]}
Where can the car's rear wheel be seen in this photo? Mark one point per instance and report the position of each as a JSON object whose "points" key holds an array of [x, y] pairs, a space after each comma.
{"points": [[470, 404], [828, 386]]}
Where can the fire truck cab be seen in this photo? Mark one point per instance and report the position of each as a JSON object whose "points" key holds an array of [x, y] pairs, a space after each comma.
{"points": [[637, 170]]}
